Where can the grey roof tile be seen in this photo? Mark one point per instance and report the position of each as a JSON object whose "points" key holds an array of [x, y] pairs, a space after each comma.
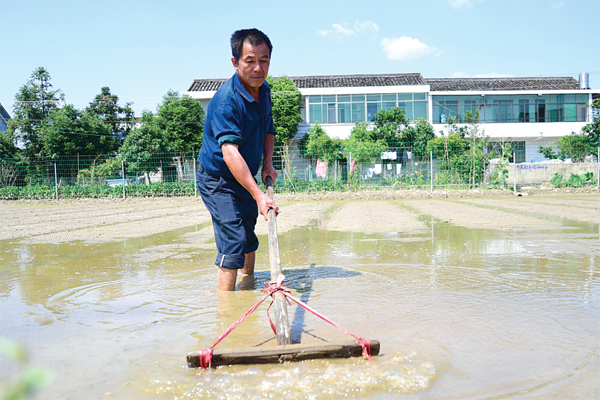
{"points": [[493, 84], [330, 81]]}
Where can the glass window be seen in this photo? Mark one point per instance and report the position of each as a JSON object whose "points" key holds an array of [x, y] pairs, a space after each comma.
{"points": [[358, 111], [541, 111], [358, 97], [581, 112], [420, 96], [315, 113], [569, 98], [329, 116], [545, 98], [344, 112], [389, 97], [491, 99], [407, 106], [404, 96], [372, 110], [553, 112], [504, 110], [583, 98], [388, 105], [343, 98], [314, 99], [373, 97], [491, 112], [421, 110], [556, 98], [570, 112], [329, 99]]}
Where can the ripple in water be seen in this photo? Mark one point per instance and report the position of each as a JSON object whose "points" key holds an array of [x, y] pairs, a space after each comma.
{"points": [[394, 373]]}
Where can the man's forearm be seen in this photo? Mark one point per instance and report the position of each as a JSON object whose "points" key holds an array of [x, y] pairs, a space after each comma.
{"points": [[268, 147], [239, 169]]}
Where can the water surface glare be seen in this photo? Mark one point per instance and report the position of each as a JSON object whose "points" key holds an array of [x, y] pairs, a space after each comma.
{"points": [[460, 313]]}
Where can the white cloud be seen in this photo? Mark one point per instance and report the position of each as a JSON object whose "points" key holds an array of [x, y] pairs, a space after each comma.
{"points": [[365, 26], [459, 74], [460, 3], [346, 30], [558, 4], [343, 31], [405, 48]]}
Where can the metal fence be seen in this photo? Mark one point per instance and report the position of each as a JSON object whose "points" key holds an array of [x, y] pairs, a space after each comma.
{"points": [[172, 174]]}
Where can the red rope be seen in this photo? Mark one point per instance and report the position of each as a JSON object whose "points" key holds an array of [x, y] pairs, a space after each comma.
{"points": [[270, 289]]}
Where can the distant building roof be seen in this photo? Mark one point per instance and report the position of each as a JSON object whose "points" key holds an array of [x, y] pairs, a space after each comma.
{"points": [[3, 113], [482, 84], [4, 117], [329, 81]]}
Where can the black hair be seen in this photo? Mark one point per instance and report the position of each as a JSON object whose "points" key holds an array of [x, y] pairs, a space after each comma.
{"points": [[252, 36]]}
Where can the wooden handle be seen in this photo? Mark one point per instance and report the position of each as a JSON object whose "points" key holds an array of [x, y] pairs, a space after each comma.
{"points": [[281, 315]]}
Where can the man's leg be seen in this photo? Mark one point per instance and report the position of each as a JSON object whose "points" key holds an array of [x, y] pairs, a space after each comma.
{"points": [[227, 278], [248, 264]]}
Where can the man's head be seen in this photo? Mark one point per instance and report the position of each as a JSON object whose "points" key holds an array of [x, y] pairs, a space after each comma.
{"points": [[252, 36], [251, 50]]}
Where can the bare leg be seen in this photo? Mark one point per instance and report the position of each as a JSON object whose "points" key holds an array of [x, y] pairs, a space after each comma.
{"points": [[227, 278], [248, 264]]}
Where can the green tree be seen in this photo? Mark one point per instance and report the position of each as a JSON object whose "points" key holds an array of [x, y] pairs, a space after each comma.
{"points": [[70, 132], [316, 144], [287, 108], [33, 103], [142, 146], [592, 130], [417, 136], [7, 148], [181, 120], [389, 125], [362, 144], [106, 106]]}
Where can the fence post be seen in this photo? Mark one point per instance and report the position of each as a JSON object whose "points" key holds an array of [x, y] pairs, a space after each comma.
{"points": [[195, 179], [55, 182], [123, 172], [431, 168], [515, 172]]}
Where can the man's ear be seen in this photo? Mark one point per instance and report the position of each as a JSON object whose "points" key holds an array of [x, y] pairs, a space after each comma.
{"points": [[234, 62]]}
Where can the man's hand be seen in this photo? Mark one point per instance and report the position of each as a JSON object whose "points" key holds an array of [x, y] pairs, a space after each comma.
{"points": [[268, 170], [265, 203]]}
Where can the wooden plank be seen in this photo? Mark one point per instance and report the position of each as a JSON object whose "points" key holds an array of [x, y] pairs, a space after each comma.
{"points": [[277, 354], [280, 319]]}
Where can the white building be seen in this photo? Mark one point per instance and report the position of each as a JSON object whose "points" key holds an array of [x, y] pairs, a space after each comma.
{"points": [[529, 112]]}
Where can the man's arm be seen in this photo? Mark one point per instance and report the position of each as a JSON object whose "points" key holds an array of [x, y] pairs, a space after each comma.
{"points": [[240, 171], [267, 168]]}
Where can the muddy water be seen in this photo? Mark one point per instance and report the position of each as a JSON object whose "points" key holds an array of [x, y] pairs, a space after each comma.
{"points": [[461, 312]]}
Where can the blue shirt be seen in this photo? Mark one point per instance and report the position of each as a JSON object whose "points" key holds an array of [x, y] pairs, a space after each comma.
{"points": [[233, 116]]}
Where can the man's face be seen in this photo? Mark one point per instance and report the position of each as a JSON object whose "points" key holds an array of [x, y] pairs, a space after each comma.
{"points": [[253, 65]]}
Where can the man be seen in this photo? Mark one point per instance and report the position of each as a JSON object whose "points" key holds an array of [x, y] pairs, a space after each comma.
{"points": [[238, 133]]}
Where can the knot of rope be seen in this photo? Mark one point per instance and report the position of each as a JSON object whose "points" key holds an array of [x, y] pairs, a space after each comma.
{"points": [[273, 287], [366, 347]]}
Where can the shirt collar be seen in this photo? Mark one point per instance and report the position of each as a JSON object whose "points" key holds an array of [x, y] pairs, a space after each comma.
{"points": [[238, 85]]}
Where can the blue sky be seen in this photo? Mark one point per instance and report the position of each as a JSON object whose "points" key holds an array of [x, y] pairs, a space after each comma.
{"points": [[141, 49]]}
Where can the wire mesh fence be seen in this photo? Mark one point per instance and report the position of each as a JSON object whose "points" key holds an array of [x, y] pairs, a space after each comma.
{"points": [[394, 168]]}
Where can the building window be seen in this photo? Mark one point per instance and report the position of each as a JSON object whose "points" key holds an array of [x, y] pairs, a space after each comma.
{"points": [[511, 108], [331, 109]]}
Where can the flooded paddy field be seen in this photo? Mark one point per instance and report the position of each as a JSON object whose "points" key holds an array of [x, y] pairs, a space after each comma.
{"points": [[471, 298]]}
